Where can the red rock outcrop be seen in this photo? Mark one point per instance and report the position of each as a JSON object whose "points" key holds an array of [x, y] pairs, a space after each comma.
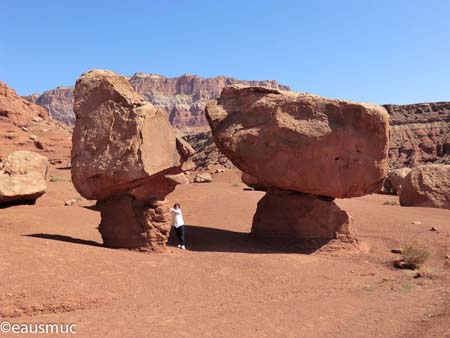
{"points": [[22, 177], [420, 134], [123, 149], [302, 142], [427, 186], [26, 126], [306, 150], [58, 102]]}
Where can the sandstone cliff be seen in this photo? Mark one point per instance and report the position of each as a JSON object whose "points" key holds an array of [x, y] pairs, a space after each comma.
{"points": [[420, 133], [58, 102], [26, 126]]}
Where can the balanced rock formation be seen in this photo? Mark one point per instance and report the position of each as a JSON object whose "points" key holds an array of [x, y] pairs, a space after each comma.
{"points": [[427, 186], [301, 143], [22, 177], [124, 155]]}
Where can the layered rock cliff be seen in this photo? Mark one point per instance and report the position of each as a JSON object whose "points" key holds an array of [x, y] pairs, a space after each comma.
{"points": [[58, 102], [183, 98], [420, 134], [27, 126]]}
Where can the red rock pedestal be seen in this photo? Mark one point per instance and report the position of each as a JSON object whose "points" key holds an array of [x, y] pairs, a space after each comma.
{"points": [[133, 224], [293, 215]]}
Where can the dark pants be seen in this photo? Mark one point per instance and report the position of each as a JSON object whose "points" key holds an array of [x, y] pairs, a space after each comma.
{"points": [[180, 234]]}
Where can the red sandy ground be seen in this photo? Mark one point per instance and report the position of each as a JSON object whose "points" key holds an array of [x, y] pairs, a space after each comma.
{"points": [[52, 269]]}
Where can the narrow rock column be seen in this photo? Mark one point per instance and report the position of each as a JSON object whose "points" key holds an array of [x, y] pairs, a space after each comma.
{"points": [[132, 224], [289, 214]]}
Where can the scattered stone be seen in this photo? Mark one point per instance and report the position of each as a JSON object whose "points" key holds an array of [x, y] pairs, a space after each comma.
{"points": [[203, 178], [402, 265], [24, 128], [416, 222], [397, 251], [33, 137], [447, 256], [71, 202], [23, 177], [427, 186], [37, 119], [434, 229], [178, 179], [393, 182], [219, 171]]}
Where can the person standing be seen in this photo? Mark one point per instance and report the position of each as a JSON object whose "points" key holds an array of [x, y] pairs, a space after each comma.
{"points": [[178, 224]]}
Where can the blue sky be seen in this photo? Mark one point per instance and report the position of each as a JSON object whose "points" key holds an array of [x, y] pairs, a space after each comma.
{"points": [[382, 51]]}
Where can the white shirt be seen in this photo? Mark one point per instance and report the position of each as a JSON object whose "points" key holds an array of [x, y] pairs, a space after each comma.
{"points": [[177, 217]]}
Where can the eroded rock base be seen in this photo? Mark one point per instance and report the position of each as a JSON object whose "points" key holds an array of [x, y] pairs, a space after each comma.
{"points": [[134, 224], [308, 218]]}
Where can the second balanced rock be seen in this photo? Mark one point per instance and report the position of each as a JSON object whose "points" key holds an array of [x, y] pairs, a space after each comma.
{"points": [[305, 147]]}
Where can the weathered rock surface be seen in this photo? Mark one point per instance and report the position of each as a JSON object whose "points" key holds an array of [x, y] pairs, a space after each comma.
{"points": [[289, 214], [57, 102], [18, 111], [304, 150], [124, 151], [427, 186], [23, 177], [134, 224], [253, 182], [26, 126], [203, 178], [302, 142], [420, 134], [393, 182]]}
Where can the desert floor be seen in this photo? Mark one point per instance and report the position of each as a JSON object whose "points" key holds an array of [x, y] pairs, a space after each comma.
{"points": [[54, 269]]}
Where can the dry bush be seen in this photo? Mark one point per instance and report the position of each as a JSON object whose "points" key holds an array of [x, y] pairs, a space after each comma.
{"points": [[414, 254]]}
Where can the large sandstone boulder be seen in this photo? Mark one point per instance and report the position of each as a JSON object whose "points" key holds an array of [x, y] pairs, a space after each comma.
{"points": [[302, 142], [393, 182], [427, 186], [305, 150], [125, 154], [23, 177]]}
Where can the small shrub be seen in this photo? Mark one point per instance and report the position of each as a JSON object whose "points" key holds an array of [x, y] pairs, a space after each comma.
{"points": [[414, 254], [236, 185], [59, 179], [390, 203]]}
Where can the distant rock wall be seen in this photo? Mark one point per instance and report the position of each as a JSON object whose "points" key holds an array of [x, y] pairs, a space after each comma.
{"points": [[420, 134], [183, 98], [58, 102]]}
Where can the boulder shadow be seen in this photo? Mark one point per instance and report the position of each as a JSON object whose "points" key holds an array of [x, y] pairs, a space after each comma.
{"points": [[63, 238], [205, 239]]}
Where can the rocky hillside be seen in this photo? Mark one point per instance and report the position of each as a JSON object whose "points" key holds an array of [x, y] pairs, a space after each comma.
{"points": [[183, 98], [420, 133], [27, 126], [58, 102]]}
